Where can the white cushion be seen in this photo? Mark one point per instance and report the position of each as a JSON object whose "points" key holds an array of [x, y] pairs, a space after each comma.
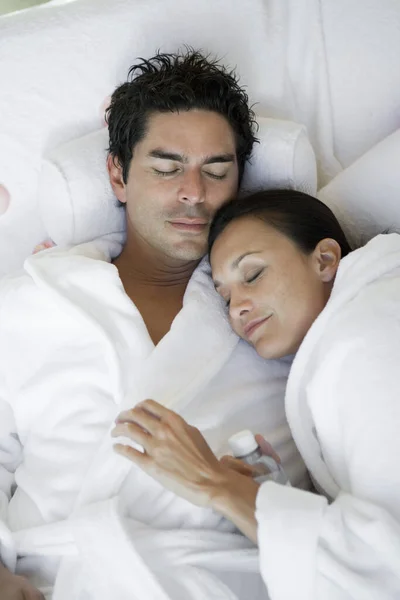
{"points": [[284, 158], [77, 203], [365, 197]]}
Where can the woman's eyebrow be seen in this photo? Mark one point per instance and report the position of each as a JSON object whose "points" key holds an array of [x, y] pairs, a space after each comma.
{"points": [[238, 260]]}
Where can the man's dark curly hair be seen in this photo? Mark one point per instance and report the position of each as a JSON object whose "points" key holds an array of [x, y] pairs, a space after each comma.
{"points": [[170, 83]]}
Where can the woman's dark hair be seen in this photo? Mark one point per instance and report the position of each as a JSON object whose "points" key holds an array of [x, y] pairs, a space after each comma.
{"points": [[174, 82], [302, 218]]}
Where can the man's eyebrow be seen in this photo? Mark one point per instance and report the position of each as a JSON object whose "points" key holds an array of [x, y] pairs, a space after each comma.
{"points": [[164, 154], [236, 263], [219, 158]]}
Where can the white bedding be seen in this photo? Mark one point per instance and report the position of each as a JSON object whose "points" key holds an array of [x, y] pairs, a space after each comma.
{"points": [[331, 66]]}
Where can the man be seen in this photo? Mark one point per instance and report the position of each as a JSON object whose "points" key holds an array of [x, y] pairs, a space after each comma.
{"points": [[82, 338]]}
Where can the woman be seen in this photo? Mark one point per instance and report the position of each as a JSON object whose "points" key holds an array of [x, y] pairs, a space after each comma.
{"points": [[292, 286]]}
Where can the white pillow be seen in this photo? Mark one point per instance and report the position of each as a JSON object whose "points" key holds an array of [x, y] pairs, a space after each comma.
{"points": [[283, 158], [77, 204], [365, 197]]}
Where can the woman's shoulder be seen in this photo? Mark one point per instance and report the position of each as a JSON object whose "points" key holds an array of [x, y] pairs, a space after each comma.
{"points": [[357, 336], [357, 356], [373, 312], [365, 299]]}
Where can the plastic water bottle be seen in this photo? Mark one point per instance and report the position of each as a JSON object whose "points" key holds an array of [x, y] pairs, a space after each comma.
{"points": [[244, 446]]}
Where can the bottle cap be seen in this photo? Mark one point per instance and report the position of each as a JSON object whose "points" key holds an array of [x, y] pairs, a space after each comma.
{"points": [[242, 443]]}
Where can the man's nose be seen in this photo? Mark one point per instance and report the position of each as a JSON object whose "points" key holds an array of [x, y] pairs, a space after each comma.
{"points": [[192, 190]]}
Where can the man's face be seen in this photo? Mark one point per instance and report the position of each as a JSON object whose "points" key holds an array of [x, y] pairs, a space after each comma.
{"points": [[181, 172]]}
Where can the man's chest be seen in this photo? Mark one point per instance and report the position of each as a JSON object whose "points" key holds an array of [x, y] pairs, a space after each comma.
{"points": [[158, 310]]}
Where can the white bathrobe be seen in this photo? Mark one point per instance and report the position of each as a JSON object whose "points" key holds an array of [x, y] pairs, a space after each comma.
{"points": [[343, 407], [74, 352]]}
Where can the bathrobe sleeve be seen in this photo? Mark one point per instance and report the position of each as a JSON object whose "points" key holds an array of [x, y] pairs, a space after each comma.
{"points": [[10, 457], [349, 549]]}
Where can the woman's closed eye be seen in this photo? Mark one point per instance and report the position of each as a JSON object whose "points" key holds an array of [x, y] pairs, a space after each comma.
{"points": [[254, 275], [224, 297], [248, 279]]}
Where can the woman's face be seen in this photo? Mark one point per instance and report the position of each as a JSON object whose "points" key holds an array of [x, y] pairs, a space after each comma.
{"points": [[273, 290]]}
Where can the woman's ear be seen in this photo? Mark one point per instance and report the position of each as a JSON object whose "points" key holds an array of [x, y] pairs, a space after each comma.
{"points": [[326, 258], [116, 178]]}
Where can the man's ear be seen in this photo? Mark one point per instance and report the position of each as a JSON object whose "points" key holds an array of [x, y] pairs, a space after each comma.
{"points": [[116, 178], [326, 259]]}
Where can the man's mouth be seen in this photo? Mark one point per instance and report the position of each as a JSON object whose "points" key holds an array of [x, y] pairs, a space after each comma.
{"points": [[190, 225]]}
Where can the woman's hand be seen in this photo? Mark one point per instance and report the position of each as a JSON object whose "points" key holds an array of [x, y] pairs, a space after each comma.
{"points": [[15, 587], [235, 464], [237, 500], [175, 453]]}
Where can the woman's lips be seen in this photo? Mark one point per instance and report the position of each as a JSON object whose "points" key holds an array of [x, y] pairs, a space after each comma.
{"points": [[253, 326]]}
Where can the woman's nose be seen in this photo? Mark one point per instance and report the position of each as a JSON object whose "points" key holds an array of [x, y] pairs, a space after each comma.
{"points": [[239, 306]]}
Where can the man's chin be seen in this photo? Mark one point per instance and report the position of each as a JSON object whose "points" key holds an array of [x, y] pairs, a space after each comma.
{"points": [[188, 251]]}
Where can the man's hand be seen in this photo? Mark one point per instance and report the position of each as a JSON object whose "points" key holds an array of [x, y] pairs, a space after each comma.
{"points": [[175, 454], [14, 587]]}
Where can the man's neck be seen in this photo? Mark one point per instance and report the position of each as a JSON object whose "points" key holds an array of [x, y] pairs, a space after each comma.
{"points": [[144, 267], [156, 285]]}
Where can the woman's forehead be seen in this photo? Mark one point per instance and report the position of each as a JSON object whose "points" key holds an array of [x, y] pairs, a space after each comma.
{"points": [[244, 235]]}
